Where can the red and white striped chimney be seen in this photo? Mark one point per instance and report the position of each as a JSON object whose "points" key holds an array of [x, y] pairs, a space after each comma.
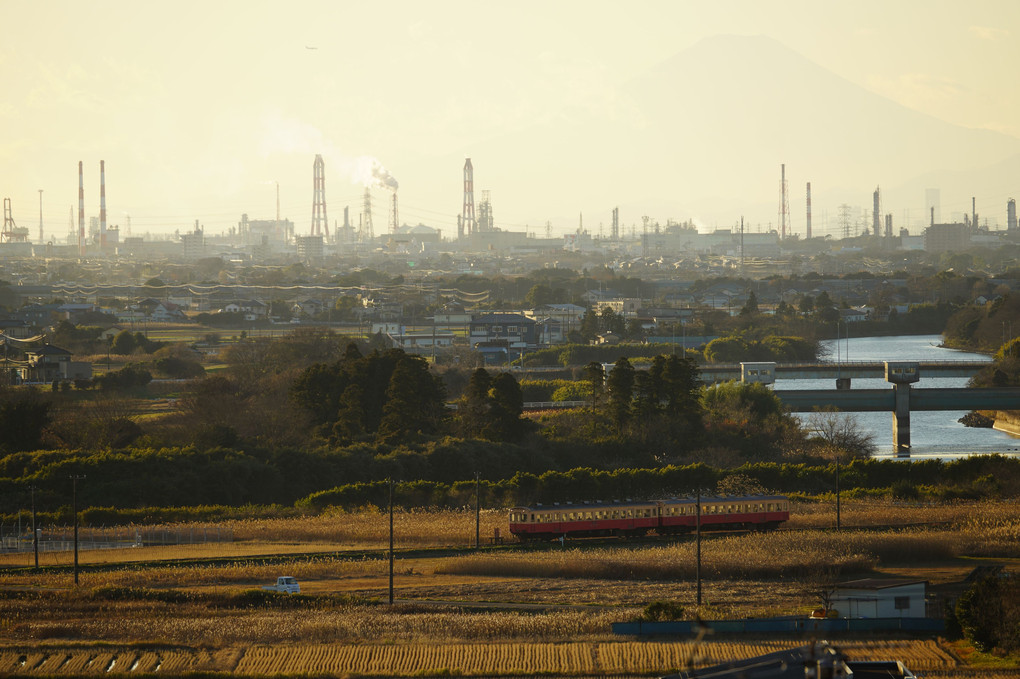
{"points": [[102, 204], [81, 212], [808, 234]]}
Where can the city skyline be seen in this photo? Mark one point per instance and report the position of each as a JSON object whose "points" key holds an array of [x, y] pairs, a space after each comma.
{"points": [[202, 118]]}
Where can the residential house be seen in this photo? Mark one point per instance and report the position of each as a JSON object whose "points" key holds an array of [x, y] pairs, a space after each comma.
{"points": [[38, 315], [48, 363], [853, 315], [421, 342], [516, 330], [252, 309], [880, 598], [16, 328]]}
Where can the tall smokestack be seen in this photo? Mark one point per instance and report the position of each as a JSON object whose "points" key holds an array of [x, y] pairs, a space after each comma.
{"points": [[784, 205], [808, 234], [1011, 215], [973, 212], [468, 211], [102, 205], [395, 216], [81, 211], [875, 219]]}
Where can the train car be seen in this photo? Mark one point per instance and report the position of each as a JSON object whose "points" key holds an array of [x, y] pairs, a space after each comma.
{"points": [[634, 519], [630, 519], [727, 512]]}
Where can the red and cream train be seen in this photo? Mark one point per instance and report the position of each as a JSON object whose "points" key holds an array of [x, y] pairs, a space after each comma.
{"points": [[633, 519]]}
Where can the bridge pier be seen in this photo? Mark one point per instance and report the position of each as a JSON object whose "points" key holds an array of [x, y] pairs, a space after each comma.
{"points": [[901, 374], [901, 420]]}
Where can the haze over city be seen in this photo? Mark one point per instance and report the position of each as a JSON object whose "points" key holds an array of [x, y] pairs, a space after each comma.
{"points": [[677, 110]]}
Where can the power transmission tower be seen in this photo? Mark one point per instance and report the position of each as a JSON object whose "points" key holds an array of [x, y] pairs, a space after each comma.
{"points": [[320, 225], [844, 221], [367, 232]]}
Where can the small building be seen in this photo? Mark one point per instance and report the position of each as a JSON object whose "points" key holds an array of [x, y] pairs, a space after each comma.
{"points": [[421, 342], [49, 363], [760, 372], [516, 330], [607, 338], [880, 598]]}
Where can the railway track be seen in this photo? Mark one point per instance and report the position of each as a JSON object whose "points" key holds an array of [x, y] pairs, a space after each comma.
{"points": [[441, 552]]}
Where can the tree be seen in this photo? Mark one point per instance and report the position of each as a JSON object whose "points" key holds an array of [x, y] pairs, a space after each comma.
{"points": [[473, 411], [24, 415], [595, 377], [539, 295], [350, 421], [989, 614], [751, 305], [507, 400], [414, 401], [123, 343], [620, 384], [841, 435], [610, 321]]}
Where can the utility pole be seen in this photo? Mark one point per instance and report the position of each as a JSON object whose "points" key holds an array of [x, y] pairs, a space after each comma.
{"points": [[35, 533], [74, 509], [837, 493], [390, 482], [698, 534], [478, 510]]}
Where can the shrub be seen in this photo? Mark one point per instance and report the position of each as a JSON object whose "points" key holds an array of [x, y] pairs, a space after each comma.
{"points": [[662, 611]]}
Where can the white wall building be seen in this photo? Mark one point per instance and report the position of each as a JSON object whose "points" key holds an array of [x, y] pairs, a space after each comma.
{"points": [[880, 598]]}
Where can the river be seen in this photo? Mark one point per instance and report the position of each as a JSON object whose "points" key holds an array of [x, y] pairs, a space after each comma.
{"points": [[932, 433]]}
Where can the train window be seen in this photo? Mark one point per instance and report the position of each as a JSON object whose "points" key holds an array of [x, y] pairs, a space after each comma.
{"points": [[770, 507]]}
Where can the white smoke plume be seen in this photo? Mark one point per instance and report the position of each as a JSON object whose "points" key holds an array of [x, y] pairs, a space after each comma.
{"points": [[287, 135], [374, 174]]}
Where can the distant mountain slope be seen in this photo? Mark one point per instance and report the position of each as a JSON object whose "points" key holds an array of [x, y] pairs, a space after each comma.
{"points": [[703, 134]]}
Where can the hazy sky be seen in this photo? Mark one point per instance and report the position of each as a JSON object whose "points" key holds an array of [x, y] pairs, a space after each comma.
{"points": [[200, 108]]}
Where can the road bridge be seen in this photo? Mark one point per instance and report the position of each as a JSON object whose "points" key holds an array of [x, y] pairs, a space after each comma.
{"points": [[847, 370], [900, 400]]}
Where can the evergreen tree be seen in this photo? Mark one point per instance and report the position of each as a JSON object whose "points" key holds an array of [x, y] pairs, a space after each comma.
{"points": [[750, 307], [123, 343], [350, 420], [475, 406], [414, 403], [620, 384], [595, 376], [507, 408]]}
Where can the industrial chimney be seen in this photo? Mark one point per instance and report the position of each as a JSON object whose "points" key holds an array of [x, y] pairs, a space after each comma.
{"points": [[1011, 215], [808, 233], [102, 205], [81, 212], [876, 209]]}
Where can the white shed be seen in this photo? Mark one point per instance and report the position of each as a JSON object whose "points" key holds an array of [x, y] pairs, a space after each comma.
{"points": [[880, 598]]}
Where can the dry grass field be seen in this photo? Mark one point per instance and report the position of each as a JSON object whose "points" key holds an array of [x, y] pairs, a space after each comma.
{"points": [[495, 659], [502, 612]]}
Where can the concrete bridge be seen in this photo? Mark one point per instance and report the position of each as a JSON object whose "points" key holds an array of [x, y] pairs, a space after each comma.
{"points": [[900, 400], [845, 370]]}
